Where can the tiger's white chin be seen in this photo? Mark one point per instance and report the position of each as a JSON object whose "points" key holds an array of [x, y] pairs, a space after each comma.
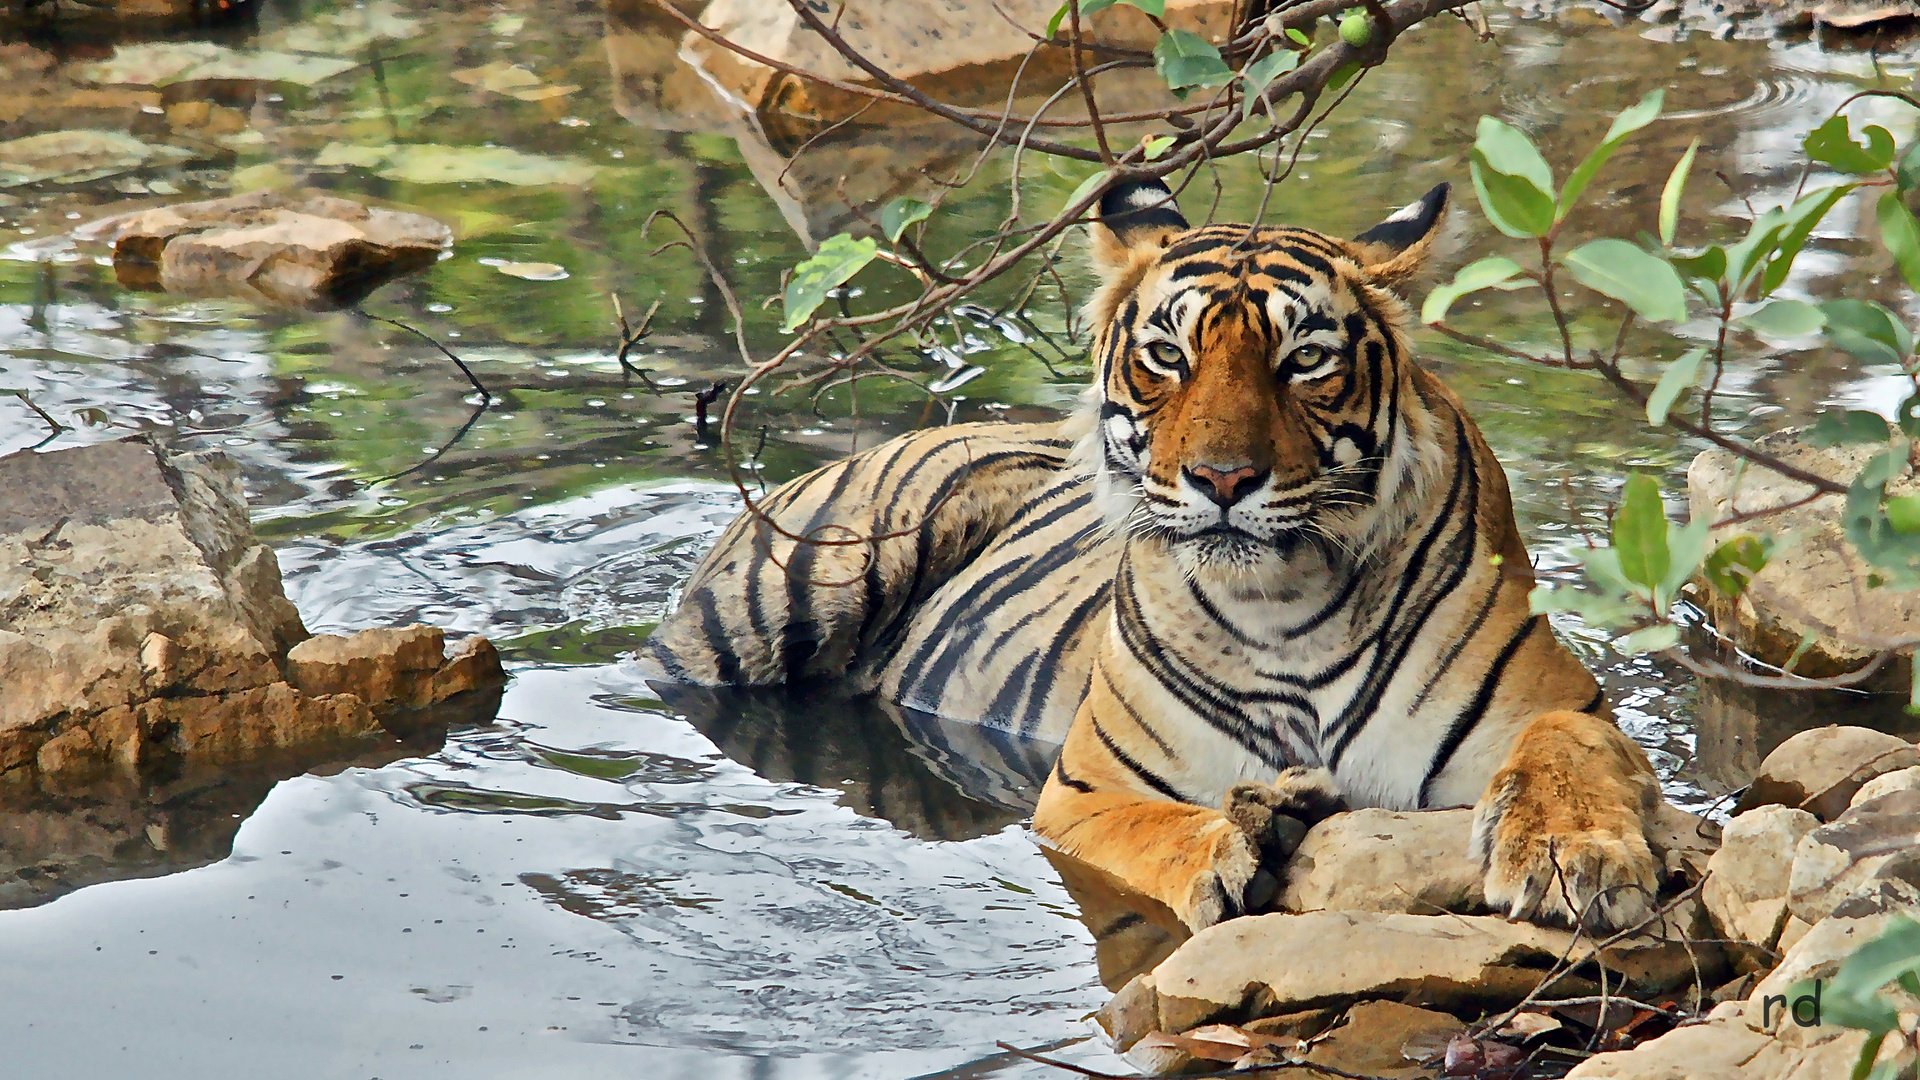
{"points": [[1230, 555]]}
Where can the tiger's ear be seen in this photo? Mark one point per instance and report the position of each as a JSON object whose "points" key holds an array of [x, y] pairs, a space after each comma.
{"points": [[1396, 250], [1136, 220]]}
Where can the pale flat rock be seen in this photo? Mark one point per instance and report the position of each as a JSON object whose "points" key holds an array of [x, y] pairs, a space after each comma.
{"points": [[1820, 771], [1868, 860], [304, 250], [1907, 779], [1268, 965], [1747, 880], [1731, 1046], [1386, 861], [1820, 952]]}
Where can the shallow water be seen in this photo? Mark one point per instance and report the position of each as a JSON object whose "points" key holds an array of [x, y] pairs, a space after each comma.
{"points": [[598, 884]]}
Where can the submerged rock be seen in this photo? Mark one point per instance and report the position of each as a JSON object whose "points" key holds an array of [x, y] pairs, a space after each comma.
{"points": [[304, 250], [140, 619]]}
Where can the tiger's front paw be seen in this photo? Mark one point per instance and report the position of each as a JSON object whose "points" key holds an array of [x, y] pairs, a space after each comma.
{"points": [[1276, 816], [1561, 830], [1228, 885]]}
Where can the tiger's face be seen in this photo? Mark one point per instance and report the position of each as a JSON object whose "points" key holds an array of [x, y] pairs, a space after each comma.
{"points": [[1254, 391]]}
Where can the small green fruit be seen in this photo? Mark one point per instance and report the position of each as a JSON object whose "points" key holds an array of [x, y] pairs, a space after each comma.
{"points": [[1356, 29]]}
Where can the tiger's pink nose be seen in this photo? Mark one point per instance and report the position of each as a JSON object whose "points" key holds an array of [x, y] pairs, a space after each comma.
{"points": [[1227, 487]]}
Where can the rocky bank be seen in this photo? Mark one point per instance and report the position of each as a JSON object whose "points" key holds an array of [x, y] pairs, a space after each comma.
{"points": [[1381, 908], [142, 623]]}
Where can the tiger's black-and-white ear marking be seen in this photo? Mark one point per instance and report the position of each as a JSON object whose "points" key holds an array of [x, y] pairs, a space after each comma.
{"points": [[1137, 218], [1396, 250]]}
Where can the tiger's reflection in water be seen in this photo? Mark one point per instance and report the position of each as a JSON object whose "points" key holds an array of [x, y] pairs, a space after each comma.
{"points": [[935, 779]]}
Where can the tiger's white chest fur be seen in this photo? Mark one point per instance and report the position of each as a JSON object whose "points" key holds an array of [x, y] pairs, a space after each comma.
{"points": [[1340, 667]]}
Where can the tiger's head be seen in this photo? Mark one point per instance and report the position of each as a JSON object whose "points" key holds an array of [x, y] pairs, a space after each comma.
{"points": [[1254, 390]]}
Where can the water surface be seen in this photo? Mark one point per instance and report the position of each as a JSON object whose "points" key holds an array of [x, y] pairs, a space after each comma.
{"points": [[597, 884]]}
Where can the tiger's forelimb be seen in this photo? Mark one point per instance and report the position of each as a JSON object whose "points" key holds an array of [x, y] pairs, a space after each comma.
{"points": [[1561, 831]]}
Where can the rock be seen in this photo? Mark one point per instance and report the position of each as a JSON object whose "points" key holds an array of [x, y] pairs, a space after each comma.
{"points": [[140, 619], [1812, 588], [1820, 770], [1819, 953], [1747, 879], [74, 157], [1868, 860], [1417, 863], [404, 667], [1907, 779], [1369, 1042], [305, 250], [1268, 965], [1386, 861], [1731, 1046]]}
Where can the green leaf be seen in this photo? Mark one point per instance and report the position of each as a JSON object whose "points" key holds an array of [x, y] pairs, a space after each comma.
{"points": [[1651, 639], [1513, 204], [1709, 265], [1185, 60], [1646, 283], [901, 213], [1492, 272], [1261, 73], [1679, 376], [1907, 170], [1670, 195], [1640, 532], [1907, 416], [1508, 150], [1625, 124], [1732, 566], [1903, 513], [1901, 234], [1344, 74], [839, 258], [1300, 36], [1867, 331], [1156, 146], [1155, 8], [1784, 318], [1840, 427], [1761, 242], [1686, 549], [1832, 144], [1801, 219], [1086, 188]]}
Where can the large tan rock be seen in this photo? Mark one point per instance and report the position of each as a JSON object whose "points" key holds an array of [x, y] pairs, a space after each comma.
{"points": [[1747, 879], [124, 576], [1817, 587], [301, 249], [1821, 770], [1268, 965], [140, 618]]}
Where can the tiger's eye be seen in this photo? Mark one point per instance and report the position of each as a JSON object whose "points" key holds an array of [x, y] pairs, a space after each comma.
{"points": [[1307, 357], [1166, 354]]}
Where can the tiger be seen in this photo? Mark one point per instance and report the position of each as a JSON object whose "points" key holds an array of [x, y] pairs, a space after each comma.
{"points": [[1269, 570]]}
